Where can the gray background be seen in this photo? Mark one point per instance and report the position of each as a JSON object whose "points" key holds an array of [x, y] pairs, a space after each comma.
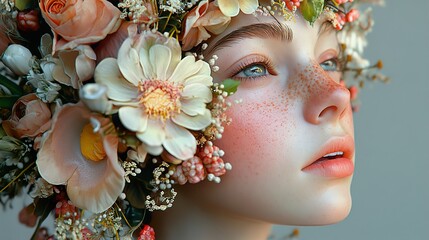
{"points": [[391, 184]]}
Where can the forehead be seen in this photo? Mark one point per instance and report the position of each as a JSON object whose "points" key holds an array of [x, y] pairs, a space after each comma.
{"points": [[261, 26]]}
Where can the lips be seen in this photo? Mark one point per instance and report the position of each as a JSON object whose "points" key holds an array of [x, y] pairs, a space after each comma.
{"points": [[334, 160]]}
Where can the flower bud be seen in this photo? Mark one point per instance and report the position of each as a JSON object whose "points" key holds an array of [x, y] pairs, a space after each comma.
{"points": [[95, 98], [17, 58]]}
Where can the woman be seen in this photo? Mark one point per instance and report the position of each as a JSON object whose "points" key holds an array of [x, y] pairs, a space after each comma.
{"points": [[294, 112], [127, 110]]}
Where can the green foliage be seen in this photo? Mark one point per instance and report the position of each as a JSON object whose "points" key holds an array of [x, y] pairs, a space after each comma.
{"points": [[311, 9], [230, 86]]}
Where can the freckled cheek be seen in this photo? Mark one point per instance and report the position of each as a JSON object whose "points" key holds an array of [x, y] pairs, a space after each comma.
{"points": [[259, 132]]}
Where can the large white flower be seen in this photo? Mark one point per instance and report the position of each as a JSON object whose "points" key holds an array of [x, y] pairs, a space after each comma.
{"points": [[160, 95]]}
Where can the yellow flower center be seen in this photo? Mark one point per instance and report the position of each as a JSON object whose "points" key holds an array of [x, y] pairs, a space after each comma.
{"points": [[160, 99], [91, 144]]}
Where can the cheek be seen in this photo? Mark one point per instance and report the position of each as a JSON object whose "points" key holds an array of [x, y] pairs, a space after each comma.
{"points": [[257, 137]]}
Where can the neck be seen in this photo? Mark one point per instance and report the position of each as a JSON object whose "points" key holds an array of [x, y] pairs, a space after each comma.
{"points": [[188, 219]]}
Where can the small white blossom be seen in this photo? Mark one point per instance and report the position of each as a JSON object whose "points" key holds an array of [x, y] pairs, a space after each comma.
{"points": [[42, 189]]}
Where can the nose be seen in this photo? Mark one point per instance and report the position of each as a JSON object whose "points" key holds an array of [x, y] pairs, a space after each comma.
{"points": [[326, 101]]}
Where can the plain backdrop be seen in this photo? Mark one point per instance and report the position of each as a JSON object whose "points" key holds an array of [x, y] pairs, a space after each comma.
{"points": [[390, 187], [391, 183]]}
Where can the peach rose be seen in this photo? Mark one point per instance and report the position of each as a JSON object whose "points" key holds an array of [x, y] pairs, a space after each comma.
{"points": [[30, 117], [201, 20], [79, 22]]}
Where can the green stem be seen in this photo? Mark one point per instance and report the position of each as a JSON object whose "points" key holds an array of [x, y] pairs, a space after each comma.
{"points": [[19, 175]]}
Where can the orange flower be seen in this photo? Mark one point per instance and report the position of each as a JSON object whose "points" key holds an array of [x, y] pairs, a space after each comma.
{"points": [[204, 18], [79, 22], [30, 117]]}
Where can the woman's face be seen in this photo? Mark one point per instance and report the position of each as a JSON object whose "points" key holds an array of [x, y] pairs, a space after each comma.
{"points": [[294, 111]]}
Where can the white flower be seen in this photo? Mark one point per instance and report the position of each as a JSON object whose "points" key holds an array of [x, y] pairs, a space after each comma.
{"points": [[159, 94], [95, 98], [46, 90], [231, 8], [18, 59]]}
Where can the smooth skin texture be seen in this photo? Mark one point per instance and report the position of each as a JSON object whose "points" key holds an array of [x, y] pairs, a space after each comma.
{"points": [[293, 106]]}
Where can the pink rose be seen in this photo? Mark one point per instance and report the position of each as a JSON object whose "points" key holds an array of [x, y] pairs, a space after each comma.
{"points": [[201, 20], [79, 22], [30, 117]]}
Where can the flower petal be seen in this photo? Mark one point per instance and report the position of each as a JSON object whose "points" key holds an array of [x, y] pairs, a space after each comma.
{"points": [[197, 122], [160, 57], [57, 163], [119, 89], [203, 76], [133, 118], [153, 150], [95, 186], [192, 107], [179, 142], [229, 7], [248, 6], [146, 65], [154, 135], [197, 90], [187, 67], [129, 62]]}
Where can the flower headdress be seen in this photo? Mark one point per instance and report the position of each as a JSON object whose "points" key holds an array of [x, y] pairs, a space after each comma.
{"points": [[107, 105]]}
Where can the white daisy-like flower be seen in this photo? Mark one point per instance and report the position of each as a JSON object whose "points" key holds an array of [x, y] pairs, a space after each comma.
{"points": [[160, 95]]}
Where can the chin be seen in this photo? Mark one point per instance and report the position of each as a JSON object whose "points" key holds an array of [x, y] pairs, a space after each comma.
{"points": [[329, 210], [331, 207]]}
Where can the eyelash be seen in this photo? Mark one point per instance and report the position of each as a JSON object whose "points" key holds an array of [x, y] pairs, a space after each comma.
{"points": [[266, 63]]}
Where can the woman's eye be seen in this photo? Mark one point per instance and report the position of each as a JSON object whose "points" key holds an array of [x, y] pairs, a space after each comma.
{"points": [[330, 65], [253, 71]]}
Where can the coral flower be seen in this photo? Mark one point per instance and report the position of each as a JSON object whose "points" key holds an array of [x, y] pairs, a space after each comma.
{"points": [[160, 96], [80, 151], [231, 8]]}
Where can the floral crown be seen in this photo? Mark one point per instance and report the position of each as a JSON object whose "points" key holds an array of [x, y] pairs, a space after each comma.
{"points": [[106, 105]]}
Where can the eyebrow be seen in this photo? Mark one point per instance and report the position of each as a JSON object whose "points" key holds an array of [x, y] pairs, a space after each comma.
{"points": [[274, 30], [325, 27]]}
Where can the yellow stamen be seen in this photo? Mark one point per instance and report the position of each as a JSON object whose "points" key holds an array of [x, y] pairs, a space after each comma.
{"points": [[91, 144], [160, 99]]}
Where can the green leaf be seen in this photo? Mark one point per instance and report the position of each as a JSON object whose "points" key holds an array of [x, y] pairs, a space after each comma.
{"points": [[135, 216], [11, 86], [311, 9], [24, 4], [135, 192], [230, 86], [8, 101]]}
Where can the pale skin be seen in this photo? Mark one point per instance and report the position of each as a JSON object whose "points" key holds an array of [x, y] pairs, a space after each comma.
{"points": [[293, 108]]}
